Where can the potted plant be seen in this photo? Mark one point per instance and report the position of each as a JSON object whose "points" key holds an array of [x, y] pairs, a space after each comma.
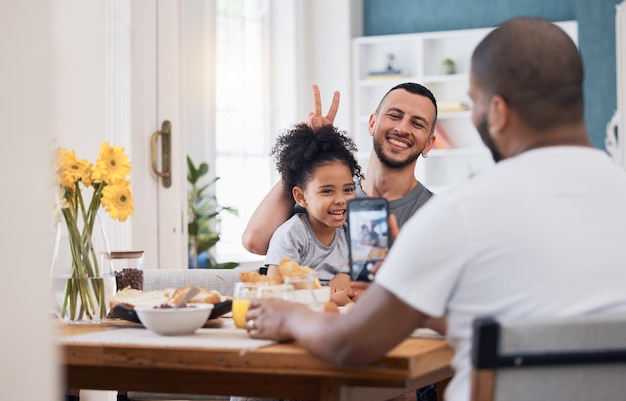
{"points": [[204, 215]]}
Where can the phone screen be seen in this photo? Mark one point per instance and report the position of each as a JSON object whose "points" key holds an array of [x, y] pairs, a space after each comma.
{"points": [[368, 233]]}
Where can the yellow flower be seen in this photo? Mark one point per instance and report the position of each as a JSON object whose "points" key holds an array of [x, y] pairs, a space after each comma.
{"points": [[107, 176], [70, 168], [86, 177], [112, 164], [117, 200]]}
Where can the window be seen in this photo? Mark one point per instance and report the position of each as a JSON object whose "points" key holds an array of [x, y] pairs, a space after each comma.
{"points": [[242, 137]]}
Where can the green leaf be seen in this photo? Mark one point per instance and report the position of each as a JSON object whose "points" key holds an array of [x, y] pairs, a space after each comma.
{"points": [[203, 169], [206, 245], [192, 175]]}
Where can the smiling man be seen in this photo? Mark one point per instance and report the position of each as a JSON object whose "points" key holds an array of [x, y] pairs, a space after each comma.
{"points": [[402, 129]]}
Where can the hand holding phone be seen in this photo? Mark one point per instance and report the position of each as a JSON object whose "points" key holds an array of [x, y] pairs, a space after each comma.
{"points": [[368, 236]]}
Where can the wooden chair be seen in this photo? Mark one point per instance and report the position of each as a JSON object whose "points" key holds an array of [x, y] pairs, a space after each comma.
{"points": [[574, 358]]}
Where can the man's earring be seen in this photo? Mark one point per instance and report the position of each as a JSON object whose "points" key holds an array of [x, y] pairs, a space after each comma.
{"points": [[424, 155]]}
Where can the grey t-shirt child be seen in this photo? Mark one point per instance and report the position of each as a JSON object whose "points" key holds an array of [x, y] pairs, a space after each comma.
{"points": [[296, 240]]}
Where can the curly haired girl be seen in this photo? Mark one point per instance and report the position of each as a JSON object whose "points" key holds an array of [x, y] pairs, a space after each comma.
{"points": [[319, 170]]}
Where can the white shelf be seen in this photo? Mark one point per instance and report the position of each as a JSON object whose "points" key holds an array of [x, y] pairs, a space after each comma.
{"points": [[387, 82], [451, 115], [453, 78]]}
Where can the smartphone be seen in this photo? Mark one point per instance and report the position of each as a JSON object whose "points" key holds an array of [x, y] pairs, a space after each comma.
{"points": [[368, 235]]}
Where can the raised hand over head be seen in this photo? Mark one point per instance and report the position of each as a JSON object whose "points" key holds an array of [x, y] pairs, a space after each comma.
{"points": [[316, 119]]}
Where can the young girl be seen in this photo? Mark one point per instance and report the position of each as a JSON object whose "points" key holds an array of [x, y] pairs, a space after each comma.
{"points": [[319, 170]]}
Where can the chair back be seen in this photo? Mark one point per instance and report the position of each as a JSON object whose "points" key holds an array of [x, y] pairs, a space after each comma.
{"points": [[574, 358], [207, 278]]}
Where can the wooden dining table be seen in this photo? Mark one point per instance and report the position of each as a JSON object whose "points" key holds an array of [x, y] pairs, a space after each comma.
{"points": [[276, 370]]}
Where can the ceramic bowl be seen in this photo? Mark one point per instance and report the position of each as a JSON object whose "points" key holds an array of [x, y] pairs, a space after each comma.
{"points": [[174, 321]]}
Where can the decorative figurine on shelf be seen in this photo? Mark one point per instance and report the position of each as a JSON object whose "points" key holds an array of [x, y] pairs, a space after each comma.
{"points": [[448, 67], [391, 63], [390, 71]]}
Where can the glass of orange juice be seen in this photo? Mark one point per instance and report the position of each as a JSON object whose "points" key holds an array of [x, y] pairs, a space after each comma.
{"points": [[243, 294], [246, 292]]}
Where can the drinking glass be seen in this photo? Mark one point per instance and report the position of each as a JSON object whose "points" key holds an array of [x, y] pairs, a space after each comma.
{"points": [[280, 291], [244, 293], [304, 290]]}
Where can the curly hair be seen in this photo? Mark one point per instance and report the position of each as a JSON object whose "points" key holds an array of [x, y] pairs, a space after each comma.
{"points": [[298, 151]]}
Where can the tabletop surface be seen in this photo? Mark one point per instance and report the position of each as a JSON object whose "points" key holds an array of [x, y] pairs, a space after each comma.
{"points": [[277, 369]]}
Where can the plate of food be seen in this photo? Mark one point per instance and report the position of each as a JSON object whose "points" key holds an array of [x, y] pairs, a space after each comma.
{"points": [[124, 302]]}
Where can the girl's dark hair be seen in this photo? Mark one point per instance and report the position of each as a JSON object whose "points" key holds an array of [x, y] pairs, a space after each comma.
{"points": [[300, 150]]}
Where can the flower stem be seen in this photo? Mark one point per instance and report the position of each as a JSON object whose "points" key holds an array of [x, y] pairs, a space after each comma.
{"points": [[85, 284]]}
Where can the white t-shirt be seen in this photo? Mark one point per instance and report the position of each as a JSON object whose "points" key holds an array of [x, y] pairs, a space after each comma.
{"points": [[541, 234]]}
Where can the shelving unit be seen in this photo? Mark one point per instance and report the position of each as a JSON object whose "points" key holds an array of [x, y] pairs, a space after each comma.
{"points": [[419, 57]]}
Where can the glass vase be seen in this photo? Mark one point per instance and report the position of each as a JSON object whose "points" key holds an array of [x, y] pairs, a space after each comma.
{"points": [[82, 281]]}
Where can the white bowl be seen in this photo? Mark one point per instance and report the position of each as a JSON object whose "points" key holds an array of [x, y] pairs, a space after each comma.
{"points": [[174, 322]]}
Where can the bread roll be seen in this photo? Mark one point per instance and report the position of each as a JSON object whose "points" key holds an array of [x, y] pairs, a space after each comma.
{"points": [[253, 276], [290, 268], [204, 296], [131, 297]]}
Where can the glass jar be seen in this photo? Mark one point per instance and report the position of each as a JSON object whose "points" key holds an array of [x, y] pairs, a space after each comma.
{"points": [[81, 283], [128, 269]]}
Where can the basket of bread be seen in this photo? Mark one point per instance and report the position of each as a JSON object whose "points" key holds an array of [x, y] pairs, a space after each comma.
{"points": [[125, 302]]}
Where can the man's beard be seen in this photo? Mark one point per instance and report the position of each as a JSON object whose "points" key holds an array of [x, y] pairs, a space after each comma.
{"points": [[483, 130], [391, 163]]}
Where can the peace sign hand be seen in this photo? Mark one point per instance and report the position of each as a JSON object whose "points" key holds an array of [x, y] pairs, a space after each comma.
{"points": [[316, 119]]}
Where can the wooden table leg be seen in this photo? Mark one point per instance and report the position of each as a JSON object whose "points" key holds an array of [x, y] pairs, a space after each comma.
{"points": [[441, 388], [72, 394]]}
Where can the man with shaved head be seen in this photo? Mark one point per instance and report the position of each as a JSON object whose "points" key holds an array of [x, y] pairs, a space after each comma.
{"points": [[540, 76], [539, 235]]}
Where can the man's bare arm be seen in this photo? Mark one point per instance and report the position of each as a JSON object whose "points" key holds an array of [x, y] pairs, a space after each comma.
{"points": [[273, 211]]}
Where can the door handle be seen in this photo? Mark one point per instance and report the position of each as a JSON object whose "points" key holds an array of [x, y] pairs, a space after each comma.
{"points": [[166, 153]]}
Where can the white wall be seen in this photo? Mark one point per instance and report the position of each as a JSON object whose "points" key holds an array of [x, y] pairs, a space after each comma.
{"points": [[27, 353], [325, 51]]}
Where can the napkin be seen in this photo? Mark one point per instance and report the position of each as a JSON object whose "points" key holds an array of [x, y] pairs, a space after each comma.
{"points": [[221, 338]]}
